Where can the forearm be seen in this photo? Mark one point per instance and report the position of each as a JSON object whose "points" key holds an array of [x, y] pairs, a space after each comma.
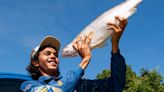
{"points": [[84, 63], [81, 44], [115, 47]]}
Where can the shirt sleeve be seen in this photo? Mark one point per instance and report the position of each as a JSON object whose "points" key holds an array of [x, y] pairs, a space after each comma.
{"points": [[113, 84], [72, 78], [118, 72]]}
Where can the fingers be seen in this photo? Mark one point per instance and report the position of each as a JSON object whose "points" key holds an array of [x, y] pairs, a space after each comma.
{"points": [[122, 20], [119, 25], [114, 27], [119, 18], [76, 43], [82, 40], [89, 38]]}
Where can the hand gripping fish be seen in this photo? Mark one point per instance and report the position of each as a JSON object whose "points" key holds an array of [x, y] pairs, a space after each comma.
{"points": [[99, 26]]}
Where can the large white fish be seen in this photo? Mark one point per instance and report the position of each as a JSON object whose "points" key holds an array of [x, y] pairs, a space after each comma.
{"points": [[99, 26]]}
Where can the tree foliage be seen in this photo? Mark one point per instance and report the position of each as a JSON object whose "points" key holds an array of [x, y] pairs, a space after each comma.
{"points": [[147, 81]]}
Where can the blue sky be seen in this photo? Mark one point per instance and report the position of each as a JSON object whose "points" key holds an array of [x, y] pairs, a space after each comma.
{"points": [[23, 24]]}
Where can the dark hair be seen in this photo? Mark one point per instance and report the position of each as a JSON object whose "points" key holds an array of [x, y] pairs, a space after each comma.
{"points": [[32, 69]]}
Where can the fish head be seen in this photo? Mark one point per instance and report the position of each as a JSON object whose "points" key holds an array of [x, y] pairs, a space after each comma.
{"points": [[69, 51]]}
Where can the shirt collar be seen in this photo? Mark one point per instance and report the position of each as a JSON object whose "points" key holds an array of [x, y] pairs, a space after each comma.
{"points": [[44, 78]]}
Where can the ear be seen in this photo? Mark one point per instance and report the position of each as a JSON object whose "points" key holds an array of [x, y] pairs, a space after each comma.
{"points": [[35, 63]]}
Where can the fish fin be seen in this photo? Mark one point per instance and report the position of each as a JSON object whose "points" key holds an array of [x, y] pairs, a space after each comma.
{"points": [[132, 11], [100, 45], [129, 13]]}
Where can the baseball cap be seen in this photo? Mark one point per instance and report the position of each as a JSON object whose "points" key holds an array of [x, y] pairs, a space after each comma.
{"points": [[48, 40]]}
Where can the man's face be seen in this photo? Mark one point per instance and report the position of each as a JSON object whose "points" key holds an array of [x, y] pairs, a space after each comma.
{"points": [[48, 60]]}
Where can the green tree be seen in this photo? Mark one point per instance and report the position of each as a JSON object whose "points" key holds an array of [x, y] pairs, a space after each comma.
{"points": [[152, 81], [147, 81], [104, 74]]}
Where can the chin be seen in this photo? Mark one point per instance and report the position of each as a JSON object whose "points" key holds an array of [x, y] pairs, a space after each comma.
{"points": [[53, 67]]}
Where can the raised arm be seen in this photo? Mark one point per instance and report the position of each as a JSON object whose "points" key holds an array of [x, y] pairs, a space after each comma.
{"points": [[118, 30], [118, 67], [82, 46]]}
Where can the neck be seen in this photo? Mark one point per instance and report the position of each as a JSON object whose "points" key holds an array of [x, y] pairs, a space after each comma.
{"points": [[49, 73]]}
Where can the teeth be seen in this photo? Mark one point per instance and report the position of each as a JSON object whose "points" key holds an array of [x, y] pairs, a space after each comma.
{"points": [[52, 62]]}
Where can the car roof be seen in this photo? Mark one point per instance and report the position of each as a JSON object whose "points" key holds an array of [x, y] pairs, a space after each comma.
{"points": [[10, 82]]}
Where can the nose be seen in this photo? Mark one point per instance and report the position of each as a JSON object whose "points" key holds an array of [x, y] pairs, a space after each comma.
{"points": [[53, 56]]}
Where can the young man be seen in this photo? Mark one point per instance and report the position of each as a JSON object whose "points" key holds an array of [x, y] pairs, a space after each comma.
{"points": [[46, 75]]}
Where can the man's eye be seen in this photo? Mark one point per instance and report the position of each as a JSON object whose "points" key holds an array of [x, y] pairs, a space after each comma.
{"points": [[56, 55], [47, 53]]}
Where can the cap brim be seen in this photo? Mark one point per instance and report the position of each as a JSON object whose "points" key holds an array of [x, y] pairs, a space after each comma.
{"points": [[50, 40]]}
